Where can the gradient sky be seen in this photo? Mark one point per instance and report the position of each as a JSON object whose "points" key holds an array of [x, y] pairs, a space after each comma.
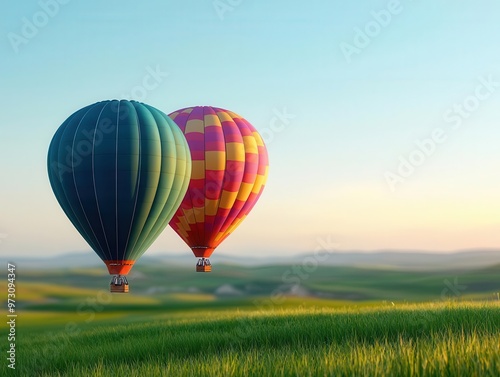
{"points": [[351, 117]]}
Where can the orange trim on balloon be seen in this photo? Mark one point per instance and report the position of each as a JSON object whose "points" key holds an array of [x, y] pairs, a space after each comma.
{"points": [[119, 267]]}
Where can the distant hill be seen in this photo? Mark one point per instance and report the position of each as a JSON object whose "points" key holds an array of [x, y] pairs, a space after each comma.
{"points": [[413, 260]]}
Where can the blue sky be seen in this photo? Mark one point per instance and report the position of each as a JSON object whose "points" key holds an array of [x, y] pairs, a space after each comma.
{"points": [[343, 123]]}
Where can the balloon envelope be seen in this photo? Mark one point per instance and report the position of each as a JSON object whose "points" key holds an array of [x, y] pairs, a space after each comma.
{"points": [[229, 171], [119, 170]]}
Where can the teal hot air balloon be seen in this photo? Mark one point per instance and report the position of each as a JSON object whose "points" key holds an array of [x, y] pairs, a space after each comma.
{"points": [[119, 170]]}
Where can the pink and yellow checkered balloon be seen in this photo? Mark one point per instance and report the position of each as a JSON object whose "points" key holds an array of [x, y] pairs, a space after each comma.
{"points": [[229, 171]]}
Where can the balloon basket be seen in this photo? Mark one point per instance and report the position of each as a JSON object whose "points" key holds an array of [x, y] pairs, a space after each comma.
{"points": [[118, 284], [203, 268], [203, 265]]}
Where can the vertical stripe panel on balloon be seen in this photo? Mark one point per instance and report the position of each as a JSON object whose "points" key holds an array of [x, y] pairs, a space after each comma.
{"points": [[127, 174], [103, 168], [155, 160], [150, 167], [215, 169], [195, 136], [173, 178], [233, 173], [248, 176], [83, 174], [60, 170], [184, 222]]}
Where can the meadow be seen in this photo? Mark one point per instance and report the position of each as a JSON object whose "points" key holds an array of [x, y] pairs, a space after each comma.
{"points": [[341, 322]]}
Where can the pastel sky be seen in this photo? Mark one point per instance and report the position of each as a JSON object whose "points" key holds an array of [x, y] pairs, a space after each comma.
{"points": [[381, 117]]}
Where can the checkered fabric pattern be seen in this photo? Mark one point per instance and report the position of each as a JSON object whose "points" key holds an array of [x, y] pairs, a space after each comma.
{"points": [[229, 171]]}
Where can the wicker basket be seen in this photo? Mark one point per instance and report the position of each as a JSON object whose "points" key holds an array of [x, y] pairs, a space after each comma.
{"points": [[123, 288], [205, 268]]}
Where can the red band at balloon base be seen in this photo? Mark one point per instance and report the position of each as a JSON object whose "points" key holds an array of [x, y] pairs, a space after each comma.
{"points": [[202, 252], [119, 267]]}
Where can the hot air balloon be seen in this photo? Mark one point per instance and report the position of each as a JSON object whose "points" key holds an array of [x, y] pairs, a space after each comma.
{"points": [[119, 170], [229, 171]]}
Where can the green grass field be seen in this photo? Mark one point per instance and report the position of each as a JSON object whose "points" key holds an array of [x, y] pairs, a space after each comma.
{"points": [[443, 339], [67, 328]]}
